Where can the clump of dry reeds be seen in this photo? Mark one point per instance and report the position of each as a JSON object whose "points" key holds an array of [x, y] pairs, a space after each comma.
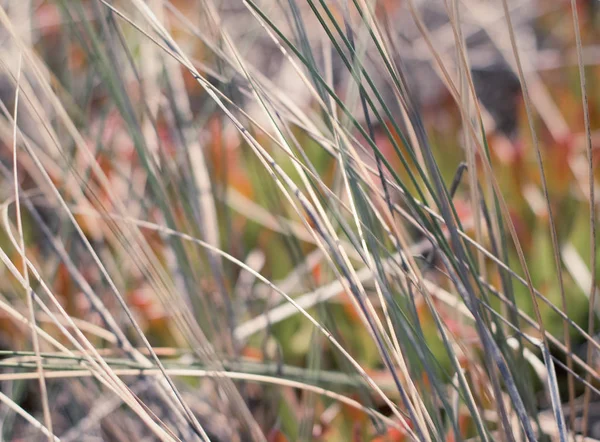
{"points": [[298, 220]]}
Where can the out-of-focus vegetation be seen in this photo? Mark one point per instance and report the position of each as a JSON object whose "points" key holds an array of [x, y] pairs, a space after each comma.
{"points": [[286, 220]]}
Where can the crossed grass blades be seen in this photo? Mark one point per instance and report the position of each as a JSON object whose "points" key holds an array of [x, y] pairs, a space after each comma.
{"points": [[286, 220]]}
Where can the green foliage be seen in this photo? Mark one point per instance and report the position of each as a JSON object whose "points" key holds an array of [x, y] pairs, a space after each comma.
{"points": [[277, 221]]}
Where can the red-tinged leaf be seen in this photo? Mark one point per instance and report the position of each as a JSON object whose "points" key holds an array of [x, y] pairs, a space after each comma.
{"points": [[460, 329], [349, 307], [316, 274], [49, 19], [557, 156], [275, 435], [464, 422], [253, 353]]}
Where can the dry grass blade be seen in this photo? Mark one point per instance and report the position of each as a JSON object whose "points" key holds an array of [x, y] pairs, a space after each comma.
{"points": [[592, 202], [29, 293], [298, 220], [540, 162]]}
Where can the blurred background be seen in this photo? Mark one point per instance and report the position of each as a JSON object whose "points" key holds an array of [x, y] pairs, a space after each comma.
{"points": [[289, 220]]}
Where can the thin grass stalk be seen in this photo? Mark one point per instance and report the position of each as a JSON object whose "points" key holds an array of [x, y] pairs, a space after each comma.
{"points": [[21, 249], [540, 162], [592, 205]]}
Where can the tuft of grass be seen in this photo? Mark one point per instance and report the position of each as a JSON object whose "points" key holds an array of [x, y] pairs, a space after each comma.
{"points": [[298, 220]]}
